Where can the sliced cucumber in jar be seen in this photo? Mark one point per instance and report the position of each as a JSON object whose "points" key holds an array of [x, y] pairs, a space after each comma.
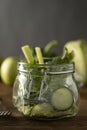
{"points": [[62, 98]]}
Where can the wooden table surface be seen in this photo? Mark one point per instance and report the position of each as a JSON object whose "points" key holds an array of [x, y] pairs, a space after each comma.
{"points": [[20, 123]]}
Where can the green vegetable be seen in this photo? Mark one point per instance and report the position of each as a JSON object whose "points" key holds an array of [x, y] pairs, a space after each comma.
{"points": [[47, 111], [43, 109], [65, 58], [62, 98], [28, 54], [39, 55], [25, 109]]}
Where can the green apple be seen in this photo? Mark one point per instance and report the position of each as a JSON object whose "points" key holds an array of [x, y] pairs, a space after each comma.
{"points": [[9, 70], [79, 47]]}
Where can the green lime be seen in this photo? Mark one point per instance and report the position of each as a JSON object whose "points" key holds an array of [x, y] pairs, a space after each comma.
{"points": [[9, 70]]}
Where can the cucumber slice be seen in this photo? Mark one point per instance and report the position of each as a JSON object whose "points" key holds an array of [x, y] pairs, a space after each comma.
{"points": [[62, 98]]}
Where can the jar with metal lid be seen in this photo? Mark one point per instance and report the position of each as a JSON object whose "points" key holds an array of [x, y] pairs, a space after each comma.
{"points": [[46, 91]]}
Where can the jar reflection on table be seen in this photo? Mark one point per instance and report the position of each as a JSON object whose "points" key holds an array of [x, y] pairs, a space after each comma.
{"points": [[36, 89]]}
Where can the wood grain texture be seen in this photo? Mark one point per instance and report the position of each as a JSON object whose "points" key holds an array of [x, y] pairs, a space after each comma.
{"points": [[18, 122]]}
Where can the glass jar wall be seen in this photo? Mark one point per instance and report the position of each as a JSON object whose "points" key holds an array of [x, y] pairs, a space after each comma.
{"points": [[46, 91]]}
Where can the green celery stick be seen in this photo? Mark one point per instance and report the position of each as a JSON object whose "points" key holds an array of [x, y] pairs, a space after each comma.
{"points": [[39, 55], [28, 54]]}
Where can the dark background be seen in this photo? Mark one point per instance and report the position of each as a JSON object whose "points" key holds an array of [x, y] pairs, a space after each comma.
{"points": [[36, 22]]}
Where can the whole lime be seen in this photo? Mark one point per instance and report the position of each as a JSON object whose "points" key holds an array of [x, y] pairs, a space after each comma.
{"points": [[9, 70]]}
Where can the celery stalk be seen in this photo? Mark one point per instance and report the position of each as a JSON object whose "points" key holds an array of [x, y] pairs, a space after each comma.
{"points": [[28, 54], [39, 55]]}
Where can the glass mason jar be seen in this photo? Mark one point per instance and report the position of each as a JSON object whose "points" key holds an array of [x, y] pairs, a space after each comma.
{"points": [[46, 91]]}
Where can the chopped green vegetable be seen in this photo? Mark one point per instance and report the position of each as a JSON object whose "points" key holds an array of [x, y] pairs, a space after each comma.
{"points": [[28, 54], [62, 98], [46, 110], [39, 55], [25, 109], [43, 109], [65, 58]]}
